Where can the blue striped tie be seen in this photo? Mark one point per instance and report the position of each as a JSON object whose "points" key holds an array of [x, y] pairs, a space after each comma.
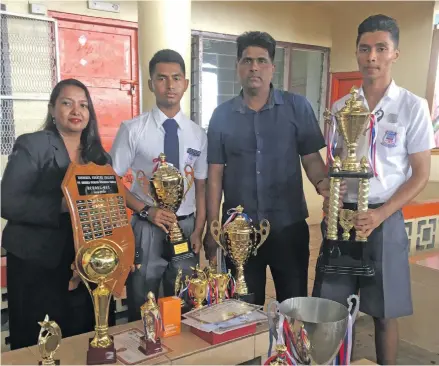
{"points": [[171, 148]]}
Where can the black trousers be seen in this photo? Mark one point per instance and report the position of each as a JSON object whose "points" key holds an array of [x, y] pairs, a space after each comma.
{"points": [[286, 252]]}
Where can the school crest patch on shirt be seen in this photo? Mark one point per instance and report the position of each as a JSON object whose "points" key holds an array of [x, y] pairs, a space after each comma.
{"points": [[390, 138], [192, 154]]}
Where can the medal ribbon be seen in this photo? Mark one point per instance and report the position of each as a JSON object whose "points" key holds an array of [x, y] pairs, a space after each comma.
{"points": [[373, 126]]}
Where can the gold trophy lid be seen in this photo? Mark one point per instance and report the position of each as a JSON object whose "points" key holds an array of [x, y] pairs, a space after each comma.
{"points": [[353, 105], [239, 223]]}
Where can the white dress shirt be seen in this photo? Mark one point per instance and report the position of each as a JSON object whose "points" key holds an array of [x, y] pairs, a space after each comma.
{"points": [[139, 141], [403, 127]]}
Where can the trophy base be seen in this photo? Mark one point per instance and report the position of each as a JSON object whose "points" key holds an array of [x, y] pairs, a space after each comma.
{"points": [[177, 251], [150, 348], [364, 271], [101, 356], [248, 298], [57, 362], [345, 258], [348, 174]]}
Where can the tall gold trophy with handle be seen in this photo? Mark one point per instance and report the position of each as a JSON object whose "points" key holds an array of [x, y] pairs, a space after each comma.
{"points": [[345, 255], [240, 239], [166, 188], [104, 243]]}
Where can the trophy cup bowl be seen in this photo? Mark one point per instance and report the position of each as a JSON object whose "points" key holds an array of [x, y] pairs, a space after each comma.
{"points": [[167, 189], [198, 287], [95, 264], [352, 121], [325, 324], [240, 239]]}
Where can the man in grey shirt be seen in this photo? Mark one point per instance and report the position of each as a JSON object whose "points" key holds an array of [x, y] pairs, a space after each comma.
{"points": [[256, 143]]}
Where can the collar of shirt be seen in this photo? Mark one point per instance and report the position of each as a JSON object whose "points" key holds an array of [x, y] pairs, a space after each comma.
{"points": [[391, 93], [275, 97], [160, 118]]}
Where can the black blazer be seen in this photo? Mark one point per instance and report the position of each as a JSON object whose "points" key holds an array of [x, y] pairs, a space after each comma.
{"points": [[31, 199]]}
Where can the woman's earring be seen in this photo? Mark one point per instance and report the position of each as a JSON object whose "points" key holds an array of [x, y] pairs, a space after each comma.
{"points": [[53, 120]]}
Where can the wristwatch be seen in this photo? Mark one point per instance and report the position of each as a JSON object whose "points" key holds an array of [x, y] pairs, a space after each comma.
{"points": [[144, 212]]}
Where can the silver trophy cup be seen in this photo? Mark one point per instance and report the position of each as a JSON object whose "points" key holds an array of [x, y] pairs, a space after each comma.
{"points": [[317, 326]]}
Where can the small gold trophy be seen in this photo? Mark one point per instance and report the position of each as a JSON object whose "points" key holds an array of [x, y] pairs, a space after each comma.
{"points": [[198, 288], [350, 122], [152, 324], [219, 283], [166, 189], [49, 341], [240, 239]]}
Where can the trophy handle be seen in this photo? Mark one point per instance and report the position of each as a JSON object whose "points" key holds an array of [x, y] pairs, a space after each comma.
{"points": [[273, 315], [264, 230], [327, 116], [189, 178], [354, 308], [215, 229], [144, 183]]}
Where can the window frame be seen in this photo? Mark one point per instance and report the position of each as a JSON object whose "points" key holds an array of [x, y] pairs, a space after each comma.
{"points": [[288, 72]]}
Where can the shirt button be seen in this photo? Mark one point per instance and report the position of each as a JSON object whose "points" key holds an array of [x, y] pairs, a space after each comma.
{"points": [[259, 151], [258, 172]]}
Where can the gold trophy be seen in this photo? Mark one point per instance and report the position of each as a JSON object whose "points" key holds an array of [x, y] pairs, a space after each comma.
{"points": [[240, 239], [104, 243], [49, 341], [95, 264], [198, 288], [219, 283], [152, 324], [350, 122], [166, 189]]}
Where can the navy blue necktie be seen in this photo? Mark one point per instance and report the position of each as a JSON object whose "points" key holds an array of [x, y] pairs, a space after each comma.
{"points": [[171, 149]]}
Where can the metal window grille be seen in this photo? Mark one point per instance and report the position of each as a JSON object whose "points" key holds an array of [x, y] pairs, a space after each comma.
{"points": [[29, 71], [213, 58]]}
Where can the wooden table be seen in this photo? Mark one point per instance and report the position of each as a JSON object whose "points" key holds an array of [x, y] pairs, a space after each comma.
{"points": [[186, 349]]}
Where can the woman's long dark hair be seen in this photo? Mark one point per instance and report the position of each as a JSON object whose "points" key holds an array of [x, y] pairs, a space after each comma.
{"points": [[91, 145]]}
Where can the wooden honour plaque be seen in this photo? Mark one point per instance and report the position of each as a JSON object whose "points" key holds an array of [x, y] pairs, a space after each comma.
{"points": [[104, 243]]}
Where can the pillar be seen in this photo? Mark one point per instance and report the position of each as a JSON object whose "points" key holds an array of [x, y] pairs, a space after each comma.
{"points": [[163, 24]]}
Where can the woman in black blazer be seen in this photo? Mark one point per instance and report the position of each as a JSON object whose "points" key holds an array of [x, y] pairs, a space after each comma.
{"points": [[38, 236]]}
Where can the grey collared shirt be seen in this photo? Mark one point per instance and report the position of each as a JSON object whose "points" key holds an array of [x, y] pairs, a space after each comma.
{"points": [[261, 153]]}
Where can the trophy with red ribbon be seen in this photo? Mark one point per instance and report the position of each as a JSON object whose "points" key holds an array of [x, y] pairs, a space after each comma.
{"points": [[167, 190]]}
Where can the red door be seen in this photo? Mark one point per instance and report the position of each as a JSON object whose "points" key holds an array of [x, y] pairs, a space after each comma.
{"points": [[102, 53], [342, 82]]}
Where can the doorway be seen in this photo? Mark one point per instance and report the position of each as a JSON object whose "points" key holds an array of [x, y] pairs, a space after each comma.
{"points": [[102, 54]]}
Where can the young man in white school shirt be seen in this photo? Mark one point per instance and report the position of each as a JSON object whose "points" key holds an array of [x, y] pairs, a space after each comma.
{"points": [[404, 140], [165, 129]]}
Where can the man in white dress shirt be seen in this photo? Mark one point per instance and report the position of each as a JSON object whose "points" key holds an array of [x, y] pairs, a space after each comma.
{"points": [[138, 143], [404, 139]]}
